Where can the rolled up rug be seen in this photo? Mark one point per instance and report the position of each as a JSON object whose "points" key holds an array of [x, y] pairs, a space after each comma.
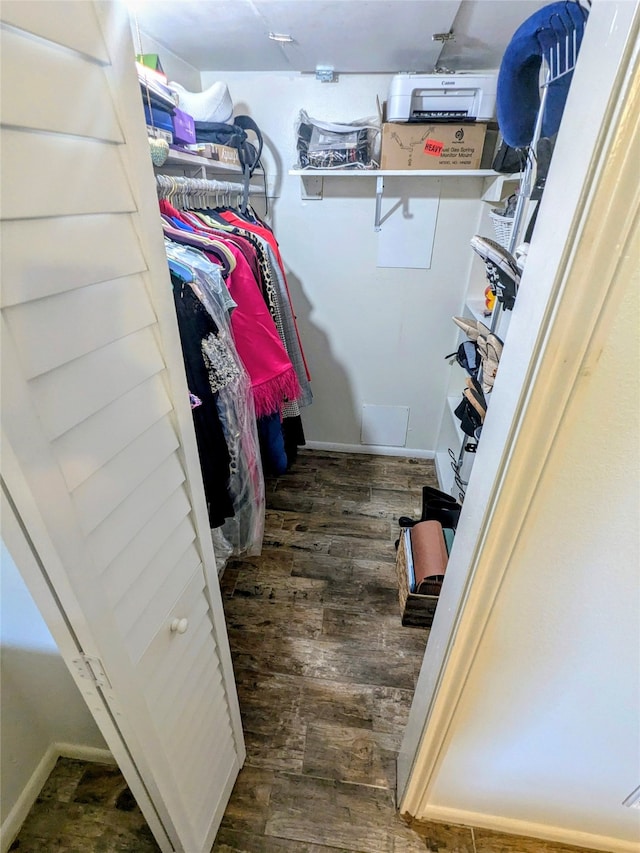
{"points": [[430, 557]]}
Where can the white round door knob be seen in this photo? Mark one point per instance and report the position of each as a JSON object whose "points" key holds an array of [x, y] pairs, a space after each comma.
{"points": [[179, 626]]}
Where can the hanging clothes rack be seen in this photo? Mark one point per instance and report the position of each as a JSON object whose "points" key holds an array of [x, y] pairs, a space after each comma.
{"points": [[199, 192]]}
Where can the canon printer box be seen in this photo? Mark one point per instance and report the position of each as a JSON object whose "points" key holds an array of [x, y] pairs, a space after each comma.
{"points": [[432, 146]]}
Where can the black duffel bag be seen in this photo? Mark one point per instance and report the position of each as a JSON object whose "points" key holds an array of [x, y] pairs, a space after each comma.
{"points": [[235, 136]]}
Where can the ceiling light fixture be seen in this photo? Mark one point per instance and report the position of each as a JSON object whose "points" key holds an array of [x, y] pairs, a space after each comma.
{"points": [[282, 38], [326, 74], [443, 37]]}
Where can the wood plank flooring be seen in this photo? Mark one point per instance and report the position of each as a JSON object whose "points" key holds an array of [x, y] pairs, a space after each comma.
{"points": [[325, 677], [85, 808], [324, 669]]}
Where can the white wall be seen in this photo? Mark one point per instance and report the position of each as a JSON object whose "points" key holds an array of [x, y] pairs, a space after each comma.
{"points": [[371, 335], [24, 741], [537, 733], [176, 68], [41, 705], [547, 729]]}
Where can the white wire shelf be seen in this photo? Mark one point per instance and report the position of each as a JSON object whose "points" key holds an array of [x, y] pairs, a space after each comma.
{"points": [[382, 173]]}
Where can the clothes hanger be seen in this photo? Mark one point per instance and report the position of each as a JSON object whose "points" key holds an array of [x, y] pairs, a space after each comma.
{"points": [[173, 189], [207, 244], [182, 270]]}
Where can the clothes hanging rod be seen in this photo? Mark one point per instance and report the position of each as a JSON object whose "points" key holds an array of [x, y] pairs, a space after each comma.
{"points": [[198, 186]]}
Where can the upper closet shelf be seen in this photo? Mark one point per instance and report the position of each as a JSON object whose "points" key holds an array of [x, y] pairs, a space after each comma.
{"points": [[204, 165], [312, 187], [189, 173], [407, 173]]}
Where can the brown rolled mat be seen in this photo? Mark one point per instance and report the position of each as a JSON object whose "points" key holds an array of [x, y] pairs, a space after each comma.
{"points": [[429, 552]]}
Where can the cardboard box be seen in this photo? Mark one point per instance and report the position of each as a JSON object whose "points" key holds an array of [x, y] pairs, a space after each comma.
{"points": [[490, 146], [432, 146], [222, 153]]}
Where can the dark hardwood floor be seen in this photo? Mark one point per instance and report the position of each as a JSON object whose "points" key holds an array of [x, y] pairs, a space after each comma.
{"points": [[325, 671], [85, 808], [325, 677]]}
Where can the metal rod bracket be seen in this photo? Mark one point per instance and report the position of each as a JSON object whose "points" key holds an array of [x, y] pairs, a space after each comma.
{"points": [[379, 191]]}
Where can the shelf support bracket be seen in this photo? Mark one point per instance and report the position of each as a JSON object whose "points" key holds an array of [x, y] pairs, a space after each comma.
{"points": [[379, 191], [311, 188]]}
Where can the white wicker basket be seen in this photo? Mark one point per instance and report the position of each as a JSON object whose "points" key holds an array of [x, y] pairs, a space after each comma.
{"points": [[503, 226]]}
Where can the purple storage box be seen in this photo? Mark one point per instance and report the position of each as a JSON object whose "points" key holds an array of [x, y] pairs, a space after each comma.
{"points": [[183, 128]]}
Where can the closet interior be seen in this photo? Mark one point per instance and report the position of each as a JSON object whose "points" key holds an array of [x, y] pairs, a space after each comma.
{"points": [[241, 533], [502, 186]]}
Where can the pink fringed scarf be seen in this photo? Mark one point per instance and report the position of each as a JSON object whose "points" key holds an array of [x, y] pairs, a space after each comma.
{"points": [[273, 377]]}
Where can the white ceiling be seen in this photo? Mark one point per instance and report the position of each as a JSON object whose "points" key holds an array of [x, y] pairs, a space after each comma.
{"points": [[347, 35]]}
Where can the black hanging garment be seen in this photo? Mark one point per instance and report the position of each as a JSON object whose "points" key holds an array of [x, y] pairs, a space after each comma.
{"points": [[195, 325]]}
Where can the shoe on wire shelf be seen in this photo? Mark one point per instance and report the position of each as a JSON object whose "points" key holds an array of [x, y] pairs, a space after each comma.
{"points": [[520, 253], [503, 273]]}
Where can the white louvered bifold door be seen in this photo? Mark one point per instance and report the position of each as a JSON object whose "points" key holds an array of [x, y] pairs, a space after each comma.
{"points": [[101, 462]]}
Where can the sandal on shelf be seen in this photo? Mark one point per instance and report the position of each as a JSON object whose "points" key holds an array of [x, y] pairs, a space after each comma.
{"points": [[474, 394], [468, 416], [490, 350], [471, 328]]}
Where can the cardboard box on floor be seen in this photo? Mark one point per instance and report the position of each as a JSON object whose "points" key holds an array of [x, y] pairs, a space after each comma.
{"points": [[432, 146]]}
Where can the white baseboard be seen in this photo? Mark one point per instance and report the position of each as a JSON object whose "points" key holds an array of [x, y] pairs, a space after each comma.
{"points": [[511, 826], [85, 753], [372, 449], [17, 816]]}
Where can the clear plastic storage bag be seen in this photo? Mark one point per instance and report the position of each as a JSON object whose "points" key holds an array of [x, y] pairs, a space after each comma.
{"points": [[242, 533], [326, 145]]}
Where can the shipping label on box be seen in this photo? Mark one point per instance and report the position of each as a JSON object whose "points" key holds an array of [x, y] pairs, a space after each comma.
{"points": [[223, 153], [432, 146]]}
